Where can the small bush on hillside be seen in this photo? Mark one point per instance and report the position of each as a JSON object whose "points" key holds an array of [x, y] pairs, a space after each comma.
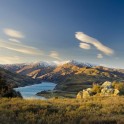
{"points": [[96, 89], [119, 86]]}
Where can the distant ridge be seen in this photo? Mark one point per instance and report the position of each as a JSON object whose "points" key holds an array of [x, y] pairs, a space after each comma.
{"points": [[48, 63], [69, 75]]}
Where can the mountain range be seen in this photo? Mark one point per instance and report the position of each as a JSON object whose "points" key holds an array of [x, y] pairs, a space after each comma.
{"points": [[16, 80], [69, 75]]}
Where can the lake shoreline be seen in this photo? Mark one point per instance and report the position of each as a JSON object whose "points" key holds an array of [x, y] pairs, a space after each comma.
{"points": [[57, 94], [31, 90]]}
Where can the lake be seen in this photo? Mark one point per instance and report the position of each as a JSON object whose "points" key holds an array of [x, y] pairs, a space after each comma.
{"points": [[29, 92]]}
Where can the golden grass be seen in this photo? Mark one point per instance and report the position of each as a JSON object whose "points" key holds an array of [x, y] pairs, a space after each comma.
{"points": [[94, 110]]}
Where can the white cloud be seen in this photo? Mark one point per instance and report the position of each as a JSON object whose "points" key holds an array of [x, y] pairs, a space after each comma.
{"points": [[99, 56], [61, 62], [13, 33], [20, 48], [9, 59], [84, 46], [14, 40], [87, 39], [55, 55]]}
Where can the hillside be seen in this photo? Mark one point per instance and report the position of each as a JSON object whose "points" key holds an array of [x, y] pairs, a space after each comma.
{"points": [[15, 80], [6, 89], [35, 70], [32, 70], [70, 76]]}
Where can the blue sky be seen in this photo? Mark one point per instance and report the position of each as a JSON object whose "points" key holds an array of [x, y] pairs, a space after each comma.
{"points": [[45, 30]]}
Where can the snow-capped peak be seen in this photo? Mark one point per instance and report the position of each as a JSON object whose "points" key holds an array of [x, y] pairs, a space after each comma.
{"points": [[52, 63]]}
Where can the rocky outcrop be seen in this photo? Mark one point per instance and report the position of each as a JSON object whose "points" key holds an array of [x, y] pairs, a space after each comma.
{"points": [[85, 93], [80, 95], [106, 89]]}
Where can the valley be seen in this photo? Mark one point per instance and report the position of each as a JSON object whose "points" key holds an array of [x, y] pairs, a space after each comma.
{"points": [[70, 77], [61, 61]]}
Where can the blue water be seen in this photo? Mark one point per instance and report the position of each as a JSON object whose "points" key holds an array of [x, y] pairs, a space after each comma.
{"points": [[28, 92]]}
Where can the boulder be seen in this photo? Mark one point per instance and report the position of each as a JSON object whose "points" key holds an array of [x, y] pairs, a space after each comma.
{"points": [[86, 94], [80, 95], [106, 84], [107, 91], [116, 92]]}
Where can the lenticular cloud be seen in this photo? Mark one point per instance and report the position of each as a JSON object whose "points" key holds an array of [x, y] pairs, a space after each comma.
{"points": [[89, 40], [84, 46]]}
